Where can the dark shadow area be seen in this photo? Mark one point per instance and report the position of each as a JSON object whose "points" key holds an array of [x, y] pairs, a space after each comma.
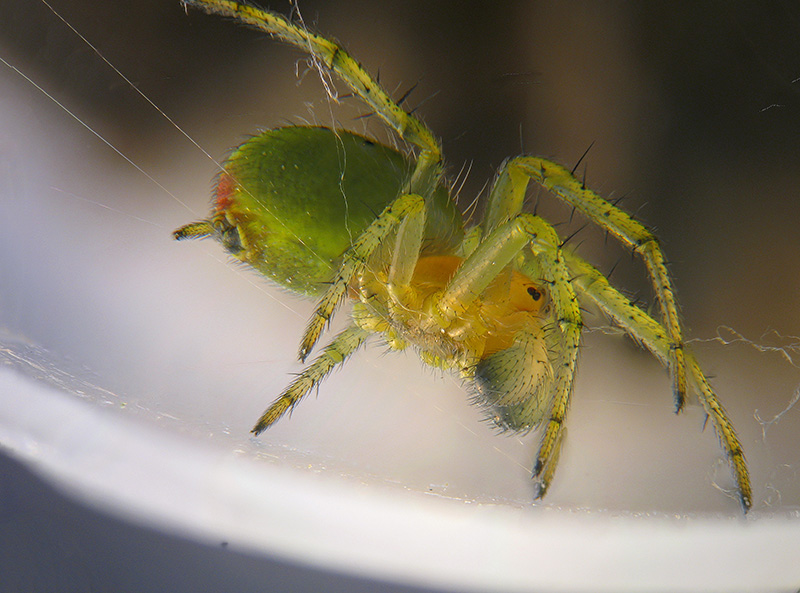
{"points": [[49, 542]]}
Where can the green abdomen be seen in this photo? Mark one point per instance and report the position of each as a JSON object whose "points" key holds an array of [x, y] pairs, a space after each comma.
{"points": [[299, 196]]}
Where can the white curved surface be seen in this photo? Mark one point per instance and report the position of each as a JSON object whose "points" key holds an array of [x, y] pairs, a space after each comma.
{"points": [[383, 532]]}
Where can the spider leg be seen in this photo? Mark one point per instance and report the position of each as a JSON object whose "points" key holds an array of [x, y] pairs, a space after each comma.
{"points": [[336, 59], [506, 200], [355, 259], [405, 254], [506, 245], [334, 354], [407, 216], [589, 281]]}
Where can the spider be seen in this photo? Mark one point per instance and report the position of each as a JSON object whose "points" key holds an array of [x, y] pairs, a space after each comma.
{"points": [[334, 215]]}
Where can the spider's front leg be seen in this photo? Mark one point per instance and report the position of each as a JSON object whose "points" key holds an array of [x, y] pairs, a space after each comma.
{"points": [[663, 340], [506, 201], [654, 337], [506, 245]]}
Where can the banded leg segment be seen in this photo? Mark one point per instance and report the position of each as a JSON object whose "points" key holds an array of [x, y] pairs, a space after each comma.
{"points": [[655, 338], [354, 261], [507, 197], [334, 354]]}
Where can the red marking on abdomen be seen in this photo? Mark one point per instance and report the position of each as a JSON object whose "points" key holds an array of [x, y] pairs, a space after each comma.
{"points": [[226, 187]]}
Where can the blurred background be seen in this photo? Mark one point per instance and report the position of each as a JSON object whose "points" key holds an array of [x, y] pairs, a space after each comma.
{"points": [[692, 113]]}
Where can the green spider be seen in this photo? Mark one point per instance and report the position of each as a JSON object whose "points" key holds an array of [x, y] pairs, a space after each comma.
{"points": [[332, 214]]}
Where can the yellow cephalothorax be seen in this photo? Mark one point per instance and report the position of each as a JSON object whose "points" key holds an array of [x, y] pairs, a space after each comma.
{"points": [[510, 304], [331, 214]]}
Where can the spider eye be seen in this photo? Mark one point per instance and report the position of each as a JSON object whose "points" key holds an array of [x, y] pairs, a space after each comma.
{"points": [[535, 294]]}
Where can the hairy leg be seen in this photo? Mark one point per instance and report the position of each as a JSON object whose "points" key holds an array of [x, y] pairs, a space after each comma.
{"points": [[333, 355], [506, 200], [333, 57], [504, 246], [354, 261], [655, 338]]}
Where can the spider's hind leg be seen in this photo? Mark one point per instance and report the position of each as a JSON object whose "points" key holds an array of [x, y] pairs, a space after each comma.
{"points": [[335, 58]]}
